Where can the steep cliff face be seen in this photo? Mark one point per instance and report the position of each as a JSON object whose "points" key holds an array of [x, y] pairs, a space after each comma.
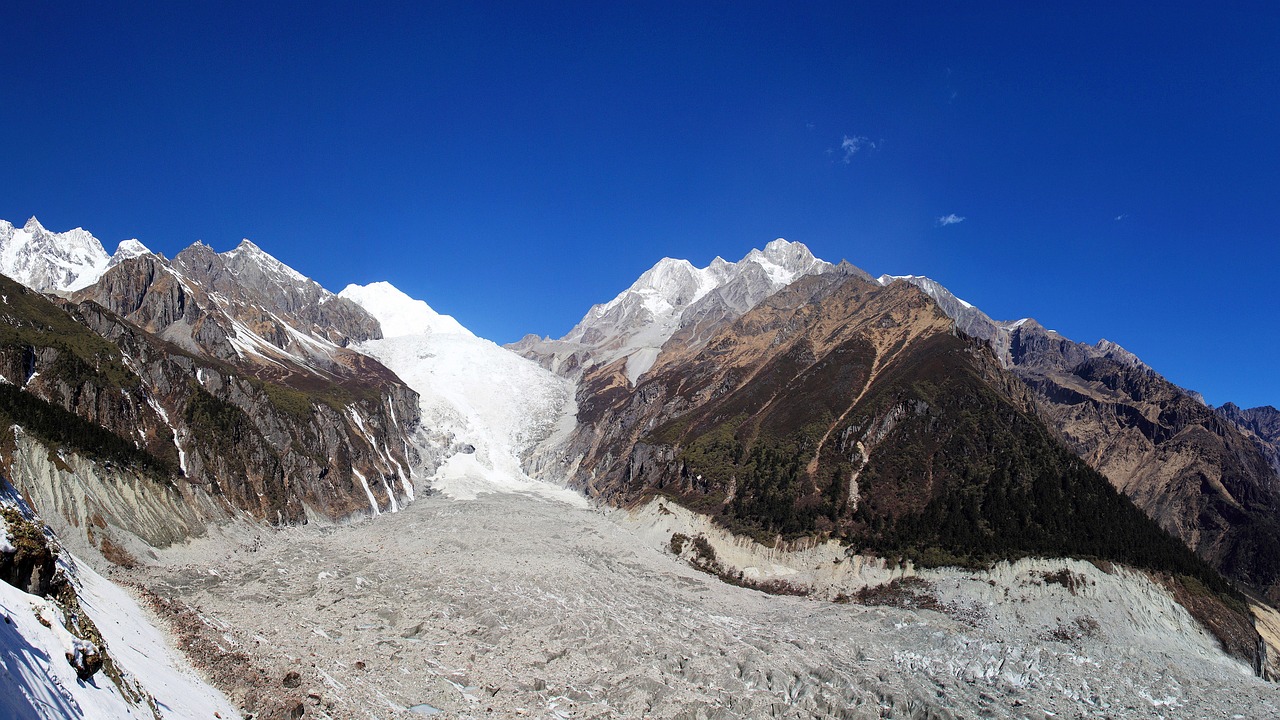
{"points": [[267, 444], [1261, 424], [1190, 469], [241, 306], [262, 292]]}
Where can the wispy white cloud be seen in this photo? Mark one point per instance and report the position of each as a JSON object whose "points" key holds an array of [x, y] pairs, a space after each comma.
{"points": [[852, 144], [1122, 216], [950, 219]]}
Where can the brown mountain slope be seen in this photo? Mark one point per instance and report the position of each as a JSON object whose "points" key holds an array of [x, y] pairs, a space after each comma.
{"points": [[839, 407], [1213, 484]]}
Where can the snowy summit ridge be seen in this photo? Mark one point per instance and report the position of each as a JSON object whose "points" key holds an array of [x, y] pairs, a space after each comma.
{"points": [[674, 293], [48, 261], [398, 313]]}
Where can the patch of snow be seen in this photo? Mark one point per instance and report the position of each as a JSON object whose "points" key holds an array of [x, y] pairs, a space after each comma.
{"points": [[6, 540], [246, 250], [365, 484], [182, 454], [137, 645]]}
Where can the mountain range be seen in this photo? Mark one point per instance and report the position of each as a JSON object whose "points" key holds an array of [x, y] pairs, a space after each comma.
{"points": [[789, 402]]}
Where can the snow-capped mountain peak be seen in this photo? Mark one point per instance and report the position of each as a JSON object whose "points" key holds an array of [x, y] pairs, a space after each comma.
{"points": [[398, 314], [784, 261], [48, 261], [129, 249]]}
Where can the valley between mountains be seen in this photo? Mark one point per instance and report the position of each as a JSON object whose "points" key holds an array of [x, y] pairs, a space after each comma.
{"points": [[775, 487]]}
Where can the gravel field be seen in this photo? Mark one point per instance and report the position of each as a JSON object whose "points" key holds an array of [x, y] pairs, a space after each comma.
{"points": [[509, 605]]}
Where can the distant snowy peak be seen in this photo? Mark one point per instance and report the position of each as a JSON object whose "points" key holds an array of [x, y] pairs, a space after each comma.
{"points": [[672, 285], [674, 293], [129, 249], [47, 261], [399, 314], [785, 262]]}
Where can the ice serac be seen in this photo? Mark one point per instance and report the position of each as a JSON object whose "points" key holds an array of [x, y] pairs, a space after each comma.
{"points": [[672, 296], [47, 261], [486, 406], [397, 313]]}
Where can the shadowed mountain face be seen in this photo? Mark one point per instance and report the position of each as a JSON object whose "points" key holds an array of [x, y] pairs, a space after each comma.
{"points": [[1188, 467], [1262, 424], [841, 407], [1211, 482]]}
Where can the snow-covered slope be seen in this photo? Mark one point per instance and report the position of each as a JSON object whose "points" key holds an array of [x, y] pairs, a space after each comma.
{"points": [[148, 679], [494, 404], [37, 682], [398, 313]]}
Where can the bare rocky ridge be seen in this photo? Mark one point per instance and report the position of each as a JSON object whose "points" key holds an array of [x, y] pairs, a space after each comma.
{"points": [[1262, 424]]}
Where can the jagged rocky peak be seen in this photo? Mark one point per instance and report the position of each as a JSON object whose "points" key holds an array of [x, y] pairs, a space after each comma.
{"points": [[249, 257], [1106, 348], [671, 295], [48, 261], [1263, 420], [785, 260], [256, 288]]}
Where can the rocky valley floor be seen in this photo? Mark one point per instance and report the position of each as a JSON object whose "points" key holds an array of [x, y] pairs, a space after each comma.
{"points": [[508, 605]]}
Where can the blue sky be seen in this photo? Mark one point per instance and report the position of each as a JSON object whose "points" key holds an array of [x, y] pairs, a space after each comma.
{"points": [[1117, 169]]}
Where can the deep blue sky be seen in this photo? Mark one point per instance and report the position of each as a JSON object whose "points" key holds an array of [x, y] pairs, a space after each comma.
{"points": [[1118, 170]]}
